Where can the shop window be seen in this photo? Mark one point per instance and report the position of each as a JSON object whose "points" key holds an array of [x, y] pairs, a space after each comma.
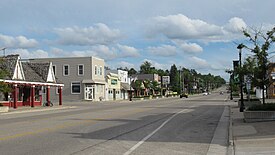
{"points": [[75, 87]]}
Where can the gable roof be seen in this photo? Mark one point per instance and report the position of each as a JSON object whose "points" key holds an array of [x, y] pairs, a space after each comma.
{"points": [[12, 65], [27, 71], [31, 74]]}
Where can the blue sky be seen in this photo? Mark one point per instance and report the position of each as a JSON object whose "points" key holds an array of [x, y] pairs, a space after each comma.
{"points": [[195, 34]]}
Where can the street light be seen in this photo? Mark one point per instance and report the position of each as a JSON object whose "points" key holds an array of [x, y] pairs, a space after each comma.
{"points": [[240, 46], [4, 51]]}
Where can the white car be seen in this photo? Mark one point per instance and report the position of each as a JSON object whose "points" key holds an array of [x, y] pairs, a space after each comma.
{"points": [[205, 94]]}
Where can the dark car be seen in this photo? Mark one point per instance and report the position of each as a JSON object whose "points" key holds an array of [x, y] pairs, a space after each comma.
{"points": [[183, 95]]}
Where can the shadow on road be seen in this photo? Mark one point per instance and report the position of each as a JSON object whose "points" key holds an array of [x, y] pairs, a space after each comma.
{"points": [[196, 125]]}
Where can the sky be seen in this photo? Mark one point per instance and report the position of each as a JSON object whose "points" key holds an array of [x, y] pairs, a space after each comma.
{"points": [[195, 34]]}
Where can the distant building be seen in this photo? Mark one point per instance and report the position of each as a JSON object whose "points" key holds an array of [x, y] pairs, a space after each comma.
{"points": [[124, 82], [271, 76], [150, 77]]}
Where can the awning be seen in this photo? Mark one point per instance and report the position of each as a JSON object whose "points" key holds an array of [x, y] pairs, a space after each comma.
{"points": [[93, 81], [125, 86], [32, 83]]}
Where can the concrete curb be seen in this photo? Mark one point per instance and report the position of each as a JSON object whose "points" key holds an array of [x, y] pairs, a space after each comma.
{"points": [[231, 146], [38, 110], [219, 141]]}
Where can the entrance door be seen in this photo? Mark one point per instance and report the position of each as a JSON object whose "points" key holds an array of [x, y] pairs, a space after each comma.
{"points": [[89, 93], [114, 94]]}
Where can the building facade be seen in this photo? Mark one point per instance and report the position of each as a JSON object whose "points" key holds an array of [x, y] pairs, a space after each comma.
{"points": [[113, 90], [271, 76], [83, 77], [124, 83], [26, 81]]}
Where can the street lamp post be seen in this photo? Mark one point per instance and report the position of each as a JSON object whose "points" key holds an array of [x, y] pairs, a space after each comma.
{"points": [[240, 46], [4, 51], [231, 85], [180, 80], [131, 94]]}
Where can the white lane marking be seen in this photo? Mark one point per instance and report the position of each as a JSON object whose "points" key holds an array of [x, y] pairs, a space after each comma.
{"points": [[152, 133]]}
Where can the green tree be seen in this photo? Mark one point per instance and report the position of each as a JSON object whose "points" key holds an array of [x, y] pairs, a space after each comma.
{"points": [[147, 68], [261, 43], [155, 86], [4, 88], [174, 78], [132, 71]]}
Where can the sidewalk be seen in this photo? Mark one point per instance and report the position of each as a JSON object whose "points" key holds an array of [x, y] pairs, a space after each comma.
{"points": [[251, 138]]}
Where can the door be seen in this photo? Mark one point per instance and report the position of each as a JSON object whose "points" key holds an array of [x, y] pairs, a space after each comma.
{"points": [[89, 93], [114, 94]]}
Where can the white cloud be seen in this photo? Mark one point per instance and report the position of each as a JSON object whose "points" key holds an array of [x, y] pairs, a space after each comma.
{"points": [[127, 51], [183, 28], [235, 25], [199, 63], [26, 54], [101, 51], [124, 64], [191, 48], [156, 64], [99, 34], [17, 42], [163, 50]]}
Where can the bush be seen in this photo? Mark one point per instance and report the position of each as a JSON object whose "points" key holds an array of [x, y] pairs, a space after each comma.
{"points": [[262, 107], [253, 99]]}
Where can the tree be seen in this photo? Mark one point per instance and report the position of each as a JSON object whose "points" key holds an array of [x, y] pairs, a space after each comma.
{"points": [[4, 88], [261, 43], [147, 68], [174, 78], [138, 86], [155, 86], [132, 71]]}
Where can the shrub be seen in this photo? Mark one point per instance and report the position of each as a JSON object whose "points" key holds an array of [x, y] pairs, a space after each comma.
{"points": [[262, 107]]}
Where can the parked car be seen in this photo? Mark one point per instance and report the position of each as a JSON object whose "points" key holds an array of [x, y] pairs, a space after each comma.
{"points": [[183, 95], [205, 94]]}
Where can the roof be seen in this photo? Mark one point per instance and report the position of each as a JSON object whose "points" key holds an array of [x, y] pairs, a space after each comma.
{"points": [[8, 63], [42, 69], [125, 86], [31, 74], [34, 72]]}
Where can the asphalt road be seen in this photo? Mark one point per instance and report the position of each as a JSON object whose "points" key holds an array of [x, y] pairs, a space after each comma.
{"points": [[161, 126]]}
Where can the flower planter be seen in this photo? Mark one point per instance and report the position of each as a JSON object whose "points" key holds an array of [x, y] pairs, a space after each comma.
{"points": [[249, 103], [256, 116], [4, 109], [137, 99]]}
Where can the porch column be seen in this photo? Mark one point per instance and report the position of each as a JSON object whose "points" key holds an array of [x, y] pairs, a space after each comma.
{"points": [[48, 95], [32, 95], [60, 95], [15, 91]]}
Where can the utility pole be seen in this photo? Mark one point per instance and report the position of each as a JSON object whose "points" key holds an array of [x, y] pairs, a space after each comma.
{"points": [[4, 51], [240, 46]]}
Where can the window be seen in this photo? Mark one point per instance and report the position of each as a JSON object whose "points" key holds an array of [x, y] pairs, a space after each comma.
{"points": [[80, 69], [95, 70], [54, 69], [100, 70], [66, 70], [75, 87]]}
